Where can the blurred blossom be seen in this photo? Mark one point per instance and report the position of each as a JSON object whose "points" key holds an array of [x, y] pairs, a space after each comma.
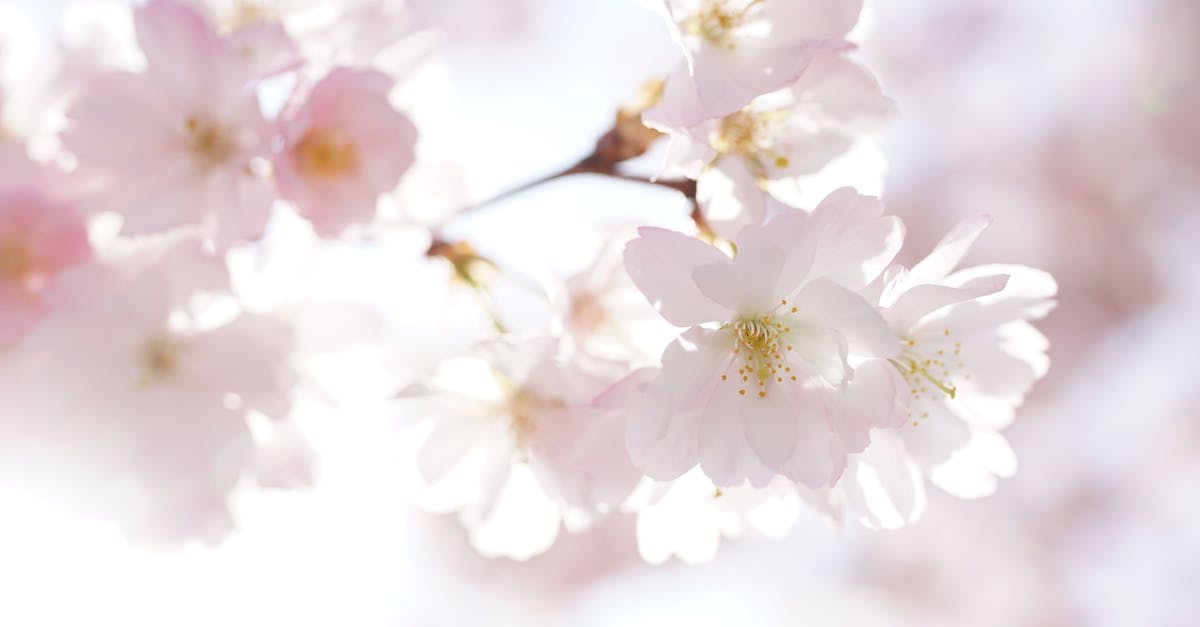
{"points": [[189, 117], [151, 429], [517, 445], [342, 149], [39, 238]]}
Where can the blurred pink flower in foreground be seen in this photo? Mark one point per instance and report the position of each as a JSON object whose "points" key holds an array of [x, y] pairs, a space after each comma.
{"points": [[190, 118], [131, 395], [39, 238], [750, 399], [344, 148]]}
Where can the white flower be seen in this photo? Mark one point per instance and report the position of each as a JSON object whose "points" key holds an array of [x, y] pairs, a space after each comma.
{"points": [[516, 445], [757, 395], [737, 50], [969, 358], [778, 136]]}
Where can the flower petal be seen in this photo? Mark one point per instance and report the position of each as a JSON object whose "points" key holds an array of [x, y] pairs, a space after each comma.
{"points": [[827, 305], [661, 263]]}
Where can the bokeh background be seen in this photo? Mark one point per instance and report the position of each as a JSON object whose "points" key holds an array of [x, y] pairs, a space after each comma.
{"points": [[1075, 124]]}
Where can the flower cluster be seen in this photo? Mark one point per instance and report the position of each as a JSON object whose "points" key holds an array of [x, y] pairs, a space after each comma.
{"points": [[811, 368], [164, 228], [140, 384]]}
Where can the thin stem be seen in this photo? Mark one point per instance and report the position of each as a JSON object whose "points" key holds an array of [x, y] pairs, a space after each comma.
{"points": [[592, 164]]}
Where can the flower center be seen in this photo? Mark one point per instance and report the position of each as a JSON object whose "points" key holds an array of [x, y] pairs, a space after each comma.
{"points": [[587, 313], [246, 13], [160, 357], [16, 260], [523, 409], [741, 134], [759, 348], [716, 20], [322, 154], [209, 143], [929, 369]]}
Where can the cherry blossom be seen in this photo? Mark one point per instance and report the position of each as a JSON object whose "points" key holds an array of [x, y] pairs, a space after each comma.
{"points": [[969, 357], [191, 118], [130, 397], [737, 50], [778, 136], [517, 446], [344, 148], [39, 238], [755, 396]]}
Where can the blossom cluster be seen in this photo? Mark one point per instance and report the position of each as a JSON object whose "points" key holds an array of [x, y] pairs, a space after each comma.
{"points": [[138, 382], [708, 382]]}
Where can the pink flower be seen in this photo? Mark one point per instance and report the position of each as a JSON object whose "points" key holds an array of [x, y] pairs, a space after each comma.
{"points": [[343, 149], [176, 144], [739, 49], [778, 136], [518, 447], [39, 238], [130, 398], [750, 390]]}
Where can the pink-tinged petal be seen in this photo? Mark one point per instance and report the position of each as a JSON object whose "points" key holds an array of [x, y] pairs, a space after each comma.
{"points": [[939, 433], [661, 263], [923, 300], [856, 241], [19, 312], [627, 391], [691, 366], [884, 486], [848, 95], [124, 122], [246, 210], [789, 230], [770, 424], [949, 251], [731, 198], [748, 285], [181, 49], [726, 81], [827, 305], [590, 465], [822, 348], [679, 104], [268, 49], [829, 19], [1026, 295], [677, 451], [725, 455], [817, 459], [871, 401]]}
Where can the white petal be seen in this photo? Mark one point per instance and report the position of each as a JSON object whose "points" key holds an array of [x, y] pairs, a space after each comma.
{"points": [[949, 251], [661, 263], [827, 305]]}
